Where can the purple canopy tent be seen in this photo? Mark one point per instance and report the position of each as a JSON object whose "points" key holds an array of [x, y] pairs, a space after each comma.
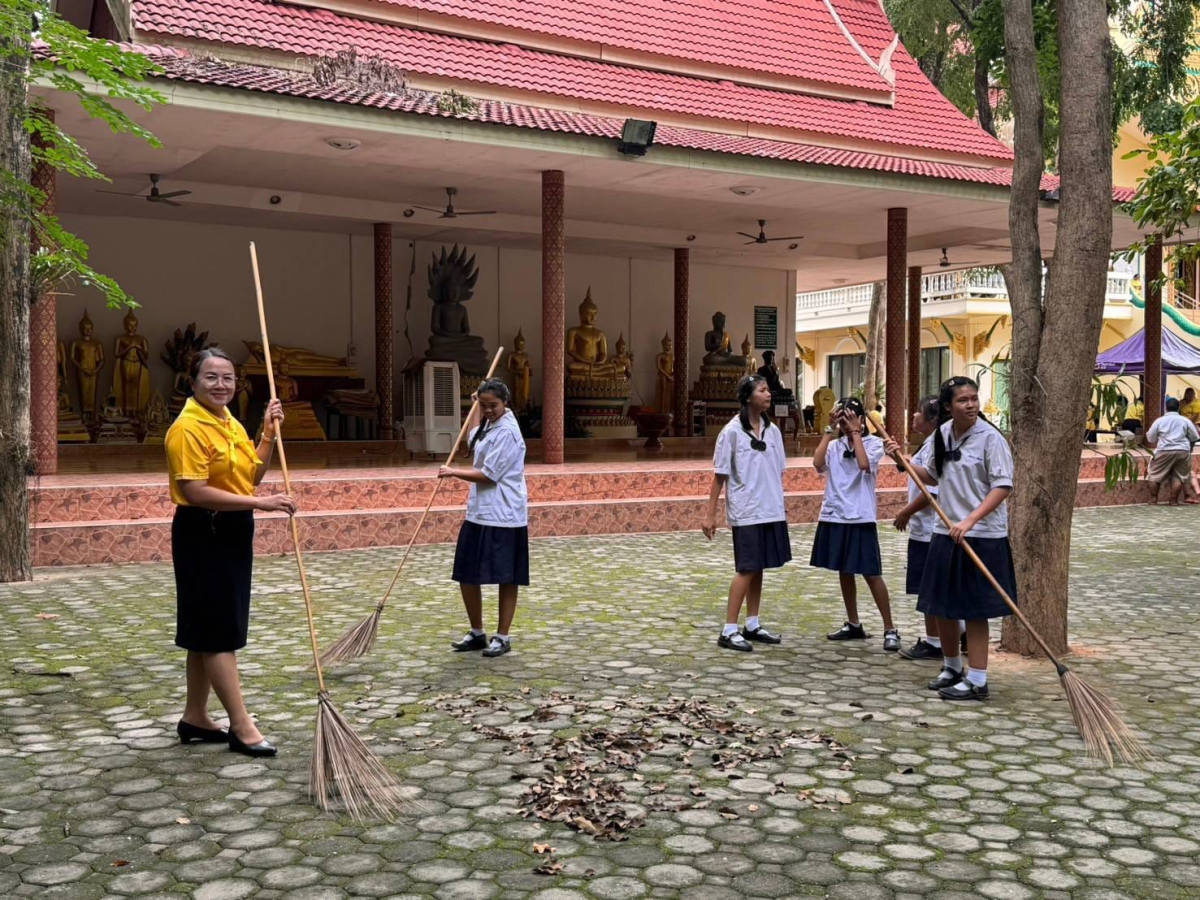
{"points": [[1129, 357]]}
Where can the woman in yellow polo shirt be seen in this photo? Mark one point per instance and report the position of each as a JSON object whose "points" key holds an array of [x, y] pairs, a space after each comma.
{"points": [[214, 469]]}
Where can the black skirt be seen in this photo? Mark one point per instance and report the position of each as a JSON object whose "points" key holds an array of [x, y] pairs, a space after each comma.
{"points": [[847, 548], [766, 545], [488, 554], [213, 553], [953, 587], [918, 552]]}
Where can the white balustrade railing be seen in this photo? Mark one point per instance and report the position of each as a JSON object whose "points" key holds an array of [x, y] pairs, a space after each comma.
{"points": [[965, 284]]}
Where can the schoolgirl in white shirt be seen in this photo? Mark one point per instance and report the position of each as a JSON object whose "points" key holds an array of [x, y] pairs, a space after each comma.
{"points": [[493, 543], [748, 464], [847, 540], [973, 469]]}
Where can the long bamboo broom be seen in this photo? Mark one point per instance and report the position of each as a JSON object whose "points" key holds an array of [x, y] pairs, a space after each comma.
{"points": [[341, 763], [360, 638], [1095, 713]]}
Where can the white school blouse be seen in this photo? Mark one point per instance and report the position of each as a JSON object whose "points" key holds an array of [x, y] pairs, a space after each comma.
{"points": [[849, 490], [754, 491], [986, 464], [920, 526], [1172, 432], [500, 455]]}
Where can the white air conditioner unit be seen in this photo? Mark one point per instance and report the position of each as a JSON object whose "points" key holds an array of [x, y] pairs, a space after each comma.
{"points": [[431, 407]]}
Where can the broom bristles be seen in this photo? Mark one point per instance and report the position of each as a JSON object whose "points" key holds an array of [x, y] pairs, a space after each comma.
{"points": [[356, 642], [343, 767], [1100, 724]]}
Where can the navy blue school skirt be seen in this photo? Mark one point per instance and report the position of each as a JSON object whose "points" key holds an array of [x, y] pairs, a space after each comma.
{"points": [[847, 548], [918, 552], [213, 554], [952, 586], [763, 546], [487, 554]]}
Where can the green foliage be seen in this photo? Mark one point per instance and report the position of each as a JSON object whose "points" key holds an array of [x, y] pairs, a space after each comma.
{"points": [[456, 104], [99, 75]]}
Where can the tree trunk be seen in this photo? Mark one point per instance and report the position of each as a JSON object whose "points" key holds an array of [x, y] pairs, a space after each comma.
{"points": [[1055, 337], [16, 458], [876, 346], [983, 94]]}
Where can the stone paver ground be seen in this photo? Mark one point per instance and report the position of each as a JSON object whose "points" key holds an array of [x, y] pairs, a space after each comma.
{"points": [[943, 801]]}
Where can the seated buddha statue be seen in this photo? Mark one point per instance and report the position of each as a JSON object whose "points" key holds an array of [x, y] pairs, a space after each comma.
{"points": [[587, 346], [158, 420], [718, 348], [452, 278], [300, 422], [115, 426]]}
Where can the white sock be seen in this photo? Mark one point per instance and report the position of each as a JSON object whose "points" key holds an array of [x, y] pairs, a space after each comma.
{"points": [[935, 642], [752, 623], [855, 624], [729, 629], [476, 632], [953, 663], [962, 626], [500, 637], [977, 677]]}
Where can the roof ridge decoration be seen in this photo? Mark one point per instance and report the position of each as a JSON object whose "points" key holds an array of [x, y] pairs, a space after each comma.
{"points": [[884, 66]]}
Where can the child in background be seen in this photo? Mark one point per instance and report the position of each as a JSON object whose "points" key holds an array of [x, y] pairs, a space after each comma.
{"points": [[847, 540], [748, 464]]}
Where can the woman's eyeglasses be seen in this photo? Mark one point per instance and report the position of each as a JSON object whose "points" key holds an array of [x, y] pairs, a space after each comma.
{"points": [[214, 380]]}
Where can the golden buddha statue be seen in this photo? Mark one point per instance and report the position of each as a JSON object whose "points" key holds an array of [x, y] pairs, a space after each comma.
{"points": [[521, 373], [158, 420], [87, 356], [115, 426], [70, 426], [748, 356], [300, 422], [719, 350], [664, 363], [587, 345], [131, 374], [823, 402], [623, 359], [242, 394], [298, 357]]}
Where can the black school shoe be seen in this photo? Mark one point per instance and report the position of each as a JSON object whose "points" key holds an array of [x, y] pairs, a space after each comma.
{"points": [[497, 648], [734, 642], [849, 632], [891, 640], [470, 642], [971, 692], [946, 678], [922, 649], [762, 636]]}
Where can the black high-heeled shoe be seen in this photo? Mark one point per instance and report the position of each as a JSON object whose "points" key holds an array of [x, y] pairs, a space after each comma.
{"points": [[188, 733], [262, 748]]}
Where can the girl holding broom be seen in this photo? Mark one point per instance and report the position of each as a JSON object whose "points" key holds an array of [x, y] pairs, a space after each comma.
{"points": [[847, 540], [493, 544], [973, 469], [748, 465]]}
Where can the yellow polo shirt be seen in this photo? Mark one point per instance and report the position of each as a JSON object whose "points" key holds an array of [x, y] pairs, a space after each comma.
{"points": [[1136, 411], [1191, 410], [203, 447]]}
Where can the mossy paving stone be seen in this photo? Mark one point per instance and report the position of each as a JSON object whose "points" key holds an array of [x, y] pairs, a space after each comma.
{"points": [[947, 802]]}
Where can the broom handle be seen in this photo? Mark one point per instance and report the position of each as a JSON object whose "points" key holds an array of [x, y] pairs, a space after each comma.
{"points": [[287, 481], [436, 487], [906, 465]]}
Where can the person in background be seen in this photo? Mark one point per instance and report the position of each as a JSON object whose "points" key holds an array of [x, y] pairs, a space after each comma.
{"points": [[1172, 437], [1133, 416], [1189, 406], [214, 468]]}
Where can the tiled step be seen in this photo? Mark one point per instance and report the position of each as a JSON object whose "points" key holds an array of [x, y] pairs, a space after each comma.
{"points": [[125, 541]]}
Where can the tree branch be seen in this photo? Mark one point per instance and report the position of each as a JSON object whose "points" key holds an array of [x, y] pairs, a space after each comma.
{"points": [[962, 11]]}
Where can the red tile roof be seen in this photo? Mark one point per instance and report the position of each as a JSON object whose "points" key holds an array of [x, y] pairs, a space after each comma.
{"points": [[921, 120], [180, 65], [796, 38]]}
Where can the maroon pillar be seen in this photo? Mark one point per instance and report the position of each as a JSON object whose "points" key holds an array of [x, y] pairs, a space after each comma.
{"points": [[897, 263], [385, 380], [1153, 392], [554, 321], [43, 352], [683, 413], [914, 339]]}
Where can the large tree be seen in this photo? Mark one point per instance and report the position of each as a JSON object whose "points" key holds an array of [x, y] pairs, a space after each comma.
{"points": [[39, 48], [1056, 330]]}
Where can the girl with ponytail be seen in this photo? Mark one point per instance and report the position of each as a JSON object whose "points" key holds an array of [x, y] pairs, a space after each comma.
{"points": [[493, 543], [748, 465], [973, 469]]}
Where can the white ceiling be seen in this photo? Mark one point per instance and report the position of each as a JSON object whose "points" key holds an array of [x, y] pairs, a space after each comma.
{"points": [[235, 162]]}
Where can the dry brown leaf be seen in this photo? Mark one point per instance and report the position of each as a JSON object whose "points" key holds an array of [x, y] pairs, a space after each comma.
{"points": [[752, 808], [586, 825], [549, 867], [728, 813], [117, 863], [46, 616], [544, 848], [183, 820]]}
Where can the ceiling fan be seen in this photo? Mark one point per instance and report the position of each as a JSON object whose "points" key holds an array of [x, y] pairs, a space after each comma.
{"points": [[945, 263], [155, 195], [762, 235], [450, 212]]}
